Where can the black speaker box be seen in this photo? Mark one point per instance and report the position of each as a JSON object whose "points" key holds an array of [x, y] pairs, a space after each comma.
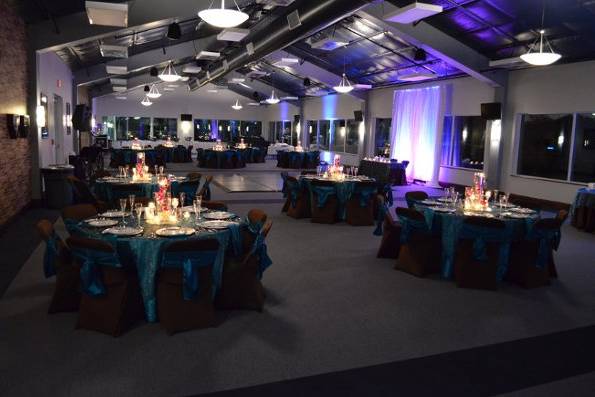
{"points": [[491, 111], [81, 119], [358, 115]]}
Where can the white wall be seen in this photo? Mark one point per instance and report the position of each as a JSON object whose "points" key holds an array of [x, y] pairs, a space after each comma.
{"points": [[555, 89], [50, 71]]}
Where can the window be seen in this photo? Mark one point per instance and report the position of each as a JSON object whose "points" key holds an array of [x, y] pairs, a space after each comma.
{"points": [[202, 129], [164, 128], [352, 136], [122, 128], [313, 133], [382, 136], [544, 146], [250, 129], [337, 136], [324, 134], [463, 141], [109, 126], [139, 127], [583, 167], [285, 132]]}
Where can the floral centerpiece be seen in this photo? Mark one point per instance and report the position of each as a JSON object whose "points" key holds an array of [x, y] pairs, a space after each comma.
{"points": [[218, 146], [141, 171], [164, 209], [476, 197]]}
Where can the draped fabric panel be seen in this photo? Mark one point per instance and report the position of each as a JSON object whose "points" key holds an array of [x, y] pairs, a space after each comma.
{"points": [[414, 130]]}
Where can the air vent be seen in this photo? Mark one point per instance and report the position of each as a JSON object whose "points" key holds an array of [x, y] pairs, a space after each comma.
{"points": [[115, 81], [294, 20], [112, 69], [256, 74], [191, 69], [118, 88], [233, 34], [107, 14], [286, 62], [413, 13], [414, 77], [113, 51], [208, 56], [289, 98]]}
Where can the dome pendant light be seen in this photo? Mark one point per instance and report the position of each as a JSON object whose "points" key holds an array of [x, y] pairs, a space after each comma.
{"points": [[222, 17], [169, 74], [546, 55], [154, 92], [344, 86], [273, 100], [237, 105], [146, 102]]}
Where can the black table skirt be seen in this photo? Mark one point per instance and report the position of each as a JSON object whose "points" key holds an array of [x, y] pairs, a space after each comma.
{"points": [[393, 173]]}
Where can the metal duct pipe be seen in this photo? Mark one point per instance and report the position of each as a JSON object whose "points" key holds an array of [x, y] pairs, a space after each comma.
{"points": [[314, 16]]}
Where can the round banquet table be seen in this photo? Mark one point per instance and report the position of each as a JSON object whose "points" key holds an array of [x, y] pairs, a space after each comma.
{"points": [[143, 252], [229, 159], [123, 157], [344, 189], [451, 227], [103, 187], [583, 210]]}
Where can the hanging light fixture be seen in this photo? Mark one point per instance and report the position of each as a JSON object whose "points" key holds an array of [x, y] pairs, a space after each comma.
{"points": [[541, 52], [146, 102], [154, 92], [237, 105], [344, 86], [222, 17], [169, 74], [273, 99]]}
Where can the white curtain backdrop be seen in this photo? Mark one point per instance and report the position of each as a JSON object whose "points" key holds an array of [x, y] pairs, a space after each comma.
{"points": [[415, 129]]}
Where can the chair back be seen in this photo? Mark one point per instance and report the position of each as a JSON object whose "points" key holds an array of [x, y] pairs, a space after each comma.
{"points": [[205, 191], [82, 193], [322, 191], [365, 191], [404, 164], [562, 215], [409, 213], [193, 176], [56, 252], [78, 212], [412, 197]]}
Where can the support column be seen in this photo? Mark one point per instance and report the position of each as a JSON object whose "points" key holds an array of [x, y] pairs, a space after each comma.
{"points": [[493, 154], [303, 133], [369, 127], [445, 109], [34, 137]]}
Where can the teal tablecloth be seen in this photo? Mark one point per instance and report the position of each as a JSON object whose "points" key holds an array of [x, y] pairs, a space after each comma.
{"points": [[144, 254], [451, 227]]}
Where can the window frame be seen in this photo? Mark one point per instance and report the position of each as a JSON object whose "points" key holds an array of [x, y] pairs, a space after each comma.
{"points": [[486, 145]]}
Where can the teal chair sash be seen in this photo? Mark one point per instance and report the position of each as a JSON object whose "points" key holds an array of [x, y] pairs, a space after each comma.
{"points": [[293, 189], [382, 211], [549, 239], [91, 260], [259, 247], [409, 226], [481, 236], [189, 262], [323, 193], [364, 194]]}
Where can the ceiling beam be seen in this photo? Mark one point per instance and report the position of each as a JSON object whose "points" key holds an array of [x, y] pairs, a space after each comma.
{"points": [[75, 28], [435, 42]]}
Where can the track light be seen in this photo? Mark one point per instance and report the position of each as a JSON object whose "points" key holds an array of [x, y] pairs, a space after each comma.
{"points": [[154, 72], [307, 82], [147, 89], [420, 55]]}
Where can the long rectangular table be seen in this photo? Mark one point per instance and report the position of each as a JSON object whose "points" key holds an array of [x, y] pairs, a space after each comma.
{"points": [[389, 173]]}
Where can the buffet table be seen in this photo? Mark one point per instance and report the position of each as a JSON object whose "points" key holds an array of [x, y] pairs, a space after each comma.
{"points": [[583, 210], [385, 172]]}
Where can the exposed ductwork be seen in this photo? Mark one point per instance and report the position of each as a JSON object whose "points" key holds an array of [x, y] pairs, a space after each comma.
{"points": [[314, 16]]}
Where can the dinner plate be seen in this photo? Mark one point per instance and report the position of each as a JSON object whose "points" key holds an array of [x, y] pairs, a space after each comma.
{"points": [[124, 231], [102, 222], [218, 215], [114, 214], [516, 215], [526, 211], [505, 206], [430, 202], [444, 209], [175, 231], [444, 199], [215, 224]]}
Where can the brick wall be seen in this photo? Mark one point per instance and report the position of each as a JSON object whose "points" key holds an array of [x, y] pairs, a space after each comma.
{"points": [[15, 154]]}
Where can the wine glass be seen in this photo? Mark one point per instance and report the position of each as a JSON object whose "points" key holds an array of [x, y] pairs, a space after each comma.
{"points": [[197, 207], [131, 198], [355, 171], [161, 168], [182, 199], [138, 208], [123, 203], [495, 195]]}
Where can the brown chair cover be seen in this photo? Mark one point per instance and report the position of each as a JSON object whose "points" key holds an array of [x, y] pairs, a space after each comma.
{"points": [[67, 296], [79, 212], [214, 205], [302, 207], [355, 214], [415, 196], [241, 289], [121, 307], [193, 176], [391, 238], [420, 255], [470, 273], [328, 213], [82, 193], [203, 190], [175, 313]]}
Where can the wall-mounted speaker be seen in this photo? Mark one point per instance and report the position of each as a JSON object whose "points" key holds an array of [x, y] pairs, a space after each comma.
{"points": [[12, 123], [358, 115], [81, 119], [491, 111], [296, 119], [186, 117]]}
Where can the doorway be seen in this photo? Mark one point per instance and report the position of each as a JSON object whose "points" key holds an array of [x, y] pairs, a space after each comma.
{"points": [[59, 129]]}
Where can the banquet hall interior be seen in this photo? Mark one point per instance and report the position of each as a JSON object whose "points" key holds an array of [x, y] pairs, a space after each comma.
{"points": [[297, 197]]}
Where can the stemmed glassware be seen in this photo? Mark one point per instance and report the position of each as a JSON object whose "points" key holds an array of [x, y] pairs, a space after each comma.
{"points": [[197, 203], [138, 208], [131, 198], [182, 199], [161, 168], [123, 203]]}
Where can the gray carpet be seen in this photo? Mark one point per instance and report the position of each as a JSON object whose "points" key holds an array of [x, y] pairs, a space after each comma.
{"points": [[331, 306]]}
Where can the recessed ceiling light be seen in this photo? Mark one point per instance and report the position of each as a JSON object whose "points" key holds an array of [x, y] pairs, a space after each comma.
{"points": [[191, 69], [118, 88], [122, 98]]}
